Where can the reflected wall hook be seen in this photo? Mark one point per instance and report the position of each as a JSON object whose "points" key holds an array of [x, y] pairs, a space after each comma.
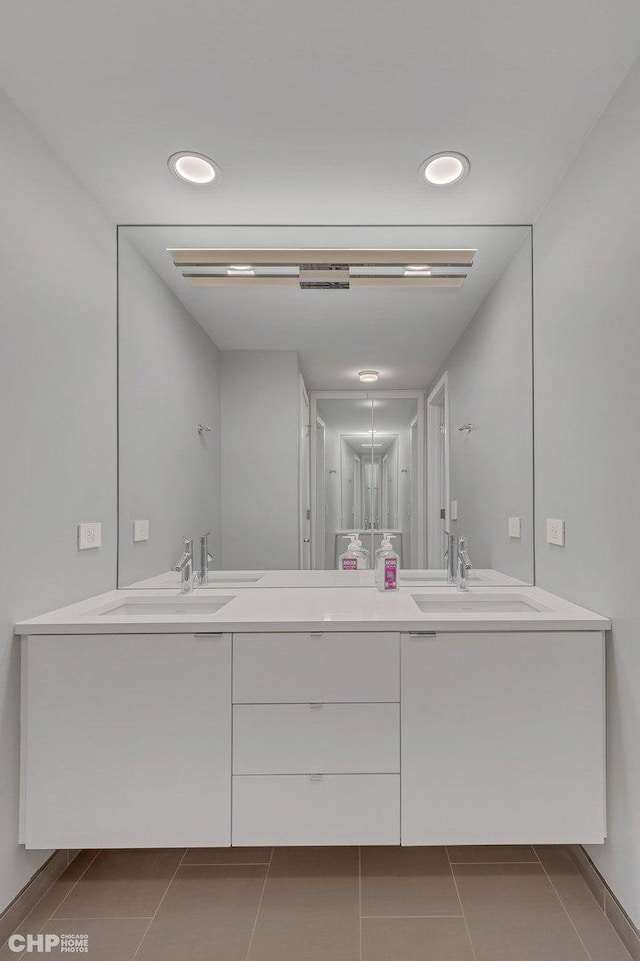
{"points": [[202, 429], [467, 427]]}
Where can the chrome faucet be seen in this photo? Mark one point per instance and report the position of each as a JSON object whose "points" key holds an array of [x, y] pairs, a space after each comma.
{"points": [[202, 576], [463, 565], [185, 567]]}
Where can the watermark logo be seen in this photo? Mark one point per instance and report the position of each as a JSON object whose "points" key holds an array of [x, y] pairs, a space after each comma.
{"points": [[46, 943]]}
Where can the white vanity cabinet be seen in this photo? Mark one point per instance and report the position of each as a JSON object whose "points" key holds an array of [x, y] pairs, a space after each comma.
{"points": [[503, 738], [316, 738], [126, 740], [312, 738]]}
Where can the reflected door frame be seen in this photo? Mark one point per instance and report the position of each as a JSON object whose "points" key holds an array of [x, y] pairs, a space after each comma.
{"points": [[304, 479], [421, 521], [438, 471]]}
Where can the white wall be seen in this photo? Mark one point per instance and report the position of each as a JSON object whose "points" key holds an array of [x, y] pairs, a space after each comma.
{"points": [[260, 390], [57, 419], [587, 353], [169, 382], [490, 387]]}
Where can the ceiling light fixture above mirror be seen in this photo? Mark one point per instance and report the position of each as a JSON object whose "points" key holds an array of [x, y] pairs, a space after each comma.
{"points": [[444, 169], [368, 376], [194, 168], [324, 268]]}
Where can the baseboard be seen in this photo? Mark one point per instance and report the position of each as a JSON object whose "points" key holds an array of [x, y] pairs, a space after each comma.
{"points": [[33, 891], [618, 917]]}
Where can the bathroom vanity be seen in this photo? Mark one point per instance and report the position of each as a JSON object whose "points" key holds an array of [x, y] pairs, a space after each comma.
{"points": [[306, 716]]}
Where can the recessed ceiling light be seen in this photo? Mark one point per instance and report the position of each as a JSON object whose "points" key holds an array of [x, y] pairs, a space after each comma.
{"points": [[194, 168], [368, 376], [240, 266], [417, 267], [444, 169]]}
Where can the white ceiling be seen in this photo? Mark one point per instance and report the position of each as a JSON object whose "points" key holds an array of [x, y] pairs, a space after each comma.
{"points": [[405, 334], [317, 112]]}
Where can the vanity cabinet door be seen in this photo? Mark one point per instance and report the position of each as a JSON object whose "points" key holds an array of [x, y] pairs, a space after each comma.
{"points": [[503, 738], [126, 740]]}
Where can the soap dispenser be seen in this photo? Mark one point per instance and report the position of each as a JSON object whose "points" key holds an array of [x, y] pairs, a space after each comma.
{"points": [[355, 557], [387, 565]]}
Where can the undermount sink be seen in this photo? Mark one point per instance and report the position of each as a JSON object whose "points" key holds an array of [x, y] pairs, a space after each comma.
{"points": [[479, 603], [183, 604]]}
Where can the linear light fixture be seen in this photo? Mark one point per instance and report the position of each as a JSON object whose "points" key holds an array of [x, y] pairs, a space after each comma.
{"points": [[323, 267]]}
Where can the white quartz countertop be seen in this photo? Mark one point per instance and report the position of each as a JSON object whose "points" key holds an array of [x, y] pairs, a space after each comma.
{"points": [[311, 609]]}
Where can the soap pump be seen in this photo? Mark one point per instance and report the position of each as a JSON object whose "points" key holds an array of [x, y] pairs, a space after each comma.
{"points": [[387, 565], [355, 557]]}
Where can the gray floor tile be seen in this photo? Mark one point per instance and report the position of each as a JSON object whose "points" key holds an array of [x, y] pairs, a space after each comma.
{"points": [[309, 910], [407, 882], [208, 914], [599, 938], [122, 884], [490, 853], [514, 914], [415, 939], [627, 933]]}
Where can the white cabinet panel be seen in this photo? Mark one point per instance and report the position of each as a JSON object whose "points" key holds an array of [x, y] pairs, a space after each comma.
{"points": [[316, 738], [329, 809], [127, 740], [503, 738], [322, 667]]}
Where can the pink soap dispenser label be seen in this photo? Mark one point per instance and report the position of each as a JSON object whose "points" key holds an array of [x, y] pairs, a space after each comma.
{"points": [[390, 574], [349, 563]]}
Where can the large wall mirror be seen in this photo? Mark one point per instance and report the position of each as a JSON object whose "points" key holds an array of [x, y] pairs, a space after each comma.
{"points": [[243, 415]]}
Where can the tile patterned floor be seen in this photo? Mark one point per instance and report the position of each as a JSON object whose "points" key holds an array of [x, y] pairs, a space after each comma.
{"points": [[460, 903]]}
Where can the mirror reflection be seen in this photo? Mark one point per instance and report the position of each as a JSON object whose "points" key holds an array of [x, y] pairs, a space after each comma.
{"points": [[283, 391]]}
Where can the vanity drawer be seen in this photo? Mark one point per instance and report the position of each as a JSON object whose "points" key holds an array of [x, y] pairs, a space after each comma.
{"points": [[316, 738], [321, 809], [319, 667]]}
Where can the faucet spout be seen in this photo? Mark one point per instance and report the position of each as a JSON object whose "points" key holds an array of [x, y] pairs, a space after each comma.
{"points": [[185, 567]]}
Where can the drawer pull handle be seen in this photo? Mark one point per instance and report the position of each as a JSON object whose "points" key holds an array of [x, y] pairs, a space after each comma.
{"points": [[314, 778], [209, 634], [423, 634], [316, 707], [316, 634]]}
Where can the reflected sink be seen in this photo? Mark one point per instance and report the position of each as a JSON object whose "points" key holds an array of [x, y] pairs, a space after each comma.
{"points": [[479, 603], [240, 579], [182, 604]]}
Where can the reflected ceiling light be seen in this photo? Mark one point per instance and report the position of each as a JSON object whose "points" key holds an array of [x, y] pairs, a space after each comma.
{"points": [[444, 169], [368, 376], [413, 271], [194, 168], [418, 267], [240, 267]]}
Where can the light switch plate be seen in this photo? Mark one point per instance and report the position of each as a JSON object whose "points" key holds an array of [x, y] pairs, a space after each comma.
{"points": [[515, 527], [555, 531], [454, 510], [140, 531], [89, 535]]}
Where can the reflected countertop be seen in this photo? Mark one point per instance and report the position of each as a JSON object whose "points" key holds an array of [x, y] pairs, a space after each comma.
{"points": [[330, 609], [232, 580]]}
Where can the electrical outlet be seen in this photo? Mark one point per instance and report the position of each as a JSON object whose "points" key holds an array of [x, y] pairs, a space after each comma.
{"points": [[89, 535], [555, 531], [515, 527], [140, 531]]}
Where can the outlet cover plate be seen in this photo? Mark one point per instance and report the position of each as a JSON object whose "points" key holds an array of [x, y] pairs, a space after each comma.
{"points": [[515, 527], [140, 531], [555, 531], [89, 535]]}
